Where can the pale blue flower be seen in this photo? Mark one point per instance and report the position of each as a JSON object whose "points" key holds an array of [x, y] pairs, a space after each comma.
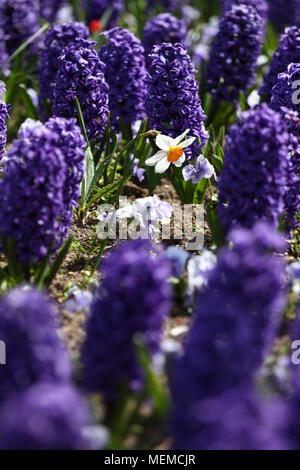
{"points": [[203, 169]]}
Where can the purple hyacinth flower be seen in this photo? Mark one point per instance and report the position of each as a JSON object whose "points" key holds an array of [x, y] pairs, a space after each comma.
{"points": [[81, 73], [203, 169], [172, 100], [32, 194], [285, 92], [33, 349], [19, 20], [125, 73], [233, 59], [54, 41], [261, 6], [164, 28], [253, 180], [288, 52], [48, 416], [50, 8], [236, 321], [133, 298], [282, 13]]}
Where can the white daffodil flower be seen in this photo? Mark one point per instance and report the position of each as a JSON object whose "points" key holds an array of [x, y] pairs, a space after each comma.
{"points": [[171, 151]]}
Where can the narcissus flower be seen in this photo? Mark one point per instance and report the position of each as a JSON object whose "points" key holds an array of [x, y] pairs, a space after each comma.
{"points": [[171, 151]]}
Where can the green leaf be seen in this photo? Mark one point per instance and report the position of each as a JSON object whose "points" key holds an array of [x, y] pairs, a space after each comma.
{"points": [[59, 259], [215, 226], [81, 120], [153, 384], [26, 98]]}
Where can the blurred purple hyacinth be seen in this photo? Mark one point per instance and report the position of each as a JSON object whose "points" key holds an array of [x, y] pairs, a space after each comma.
{"points": [[48, 416], [72, 144], [55, 40], [164, 28], [32, 194], [81, 73], [134, 298], [252, 184], [202, 169], [33, 349], [288, 52], [125, 73], [233, 59], [95, 9], [19, 21], [172, 101], [282, 13], [50, 8], [261, 6], [236, 320]]}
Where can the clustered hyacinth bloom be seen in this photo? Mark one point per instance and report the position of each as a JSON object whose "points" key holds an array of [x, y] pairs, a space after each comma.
{"points": [[253, 181], [172, 101], [283, 13], [164, 28], [33, 349], [32, 194], [50, 8], [19, 21], [125, 73], [95, 10], [287, 52], [55, 40], [233, 59], [261, 6], [284, 93], [81, 74], [72, 144], [134, 298], [47, 416], [236, 321]]}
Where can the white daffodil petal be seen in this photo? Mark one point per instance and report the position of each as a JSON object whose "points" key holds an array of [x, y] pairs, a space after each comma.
{"points": [[164, 142], [181, 137], [180, 161], [162, 165], [155, 158], [187, 142]]}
